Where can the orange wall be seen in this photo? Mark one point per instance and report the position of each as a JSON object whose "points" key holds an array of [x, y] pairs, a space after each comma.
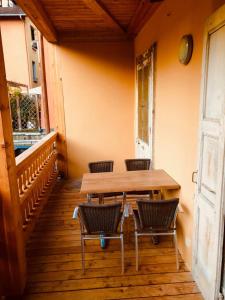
{"points": [[177, 97], [98, 89], [15, 53]]}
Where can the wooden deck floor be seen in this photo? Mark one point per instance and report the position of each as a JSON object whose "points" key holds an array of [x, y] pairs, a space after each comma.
{"points": [[55, 266]]}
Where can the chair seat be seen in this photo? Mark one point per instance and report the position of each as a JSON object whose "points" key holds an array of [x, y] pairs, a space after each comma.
{"points": [[150, 230]]}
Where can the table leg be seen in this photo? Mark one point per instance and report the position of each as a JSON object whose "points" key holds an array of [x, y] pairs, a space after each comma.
{"points": [[101, 198], [88, 198]]}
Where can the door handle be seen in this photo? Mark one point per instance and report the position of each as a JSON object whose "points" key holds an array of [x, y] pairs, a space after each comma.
{"points": [[193, 178]]}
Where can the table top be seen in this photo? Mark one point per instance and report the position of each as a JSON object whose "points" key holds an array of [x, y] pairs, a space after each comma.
{"points": [[127, 181]]}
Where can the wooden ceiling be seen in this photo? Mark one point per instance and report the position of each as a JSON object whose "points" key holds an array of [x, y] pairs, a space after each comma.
{"points": [[89, 20]]}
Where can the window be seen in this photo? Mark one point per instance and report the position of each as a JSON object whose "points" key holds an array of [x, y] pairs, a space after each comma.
{"points": [[143, 76], [145, 96], [32, 31], [34, 71], [34, 43], [6, 3]]}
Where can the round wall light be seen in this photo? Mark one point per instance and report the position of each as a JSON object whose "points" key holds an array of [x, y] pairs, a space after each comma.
{"points": [[186, 49]]}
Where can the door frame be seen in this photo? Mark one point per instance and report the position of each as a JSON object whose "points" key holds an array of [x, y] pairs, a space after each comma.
{"points": [[151, 100], [213, 23]]}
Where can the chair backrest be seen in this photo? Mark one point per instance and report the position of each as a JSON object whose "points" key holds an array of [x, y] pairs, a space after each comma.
{"points": [[101, 166], [157, 214], [99, 219], [138, 164]]}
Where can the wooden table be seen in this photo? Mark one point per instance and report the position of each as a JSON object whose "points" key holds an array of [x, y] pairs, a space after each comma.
{"points": [[100, 183], [109, 182]]}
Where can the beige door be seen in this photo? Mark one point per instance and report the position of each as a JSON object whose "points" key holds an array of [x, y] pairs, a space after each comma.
{"points": [[145, 104], [209, 204]]}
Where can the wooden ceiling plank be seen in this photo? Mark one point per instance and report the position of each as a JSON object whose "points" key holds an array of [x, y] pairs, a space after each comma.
{"points": [[143, 13], [137, 16], [36, 12], [146, 17], [99, 10]]}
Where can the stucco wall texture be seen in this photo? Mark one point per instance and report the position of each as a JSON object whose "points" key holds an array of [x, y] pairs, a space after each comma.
{"points": [[98, 89], [15, 52]]}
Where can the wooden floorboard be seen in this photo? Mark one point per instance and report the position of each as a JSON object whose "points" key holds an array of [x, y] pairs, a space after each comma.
{"points": [[54, 263]]}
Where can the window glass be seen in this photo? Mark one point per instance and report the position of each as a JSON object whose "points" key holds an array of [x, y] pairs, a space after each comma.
{"points": [[143, 102], [32, 31], [34, 71]]}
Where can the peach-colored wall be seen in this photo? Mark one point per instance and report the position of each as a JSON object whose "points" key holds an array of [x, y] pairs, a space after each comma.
{"points": [[177, 97], [98, 89], [15, 53]]}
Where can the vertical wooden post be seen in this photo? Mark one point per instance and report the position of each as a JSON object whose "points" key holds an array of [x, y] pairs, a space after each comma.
{"points": [[60, 115], [12, 248], [44, 93]]}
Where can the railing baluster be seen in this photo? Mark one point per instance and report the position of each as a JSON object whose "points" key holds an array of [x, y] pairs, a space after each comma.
{"points": [[36, 173]]}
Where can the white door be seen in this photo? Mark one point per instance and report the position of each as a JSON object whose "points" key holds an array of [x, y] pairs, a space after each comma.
{"points": [[145, 104], [209, 202]]}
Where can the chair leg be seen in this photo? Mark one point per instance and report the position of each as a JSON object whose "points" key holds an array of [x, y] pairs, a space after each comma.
{"points": [[136, 251], [122, 253], [82, 254], [176, 250], [124, 198]]}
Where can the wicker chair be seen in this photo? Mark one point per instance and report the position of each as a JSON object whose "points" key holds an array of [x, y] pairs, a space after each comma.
{"points": [[97, 221], [140, 164], [155, 218], [99, 167]]}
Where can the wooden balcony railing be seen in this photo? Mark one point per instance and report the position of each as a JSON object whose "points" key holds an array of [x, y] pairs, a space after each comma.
{"points": [[36, 170]]}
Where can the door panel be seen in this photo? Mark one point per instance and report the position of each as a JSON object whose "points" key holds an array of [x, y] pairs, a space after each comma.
{"points": [[209, 200], [205, 237], [209, 167], [139, 74], [215, 90]]}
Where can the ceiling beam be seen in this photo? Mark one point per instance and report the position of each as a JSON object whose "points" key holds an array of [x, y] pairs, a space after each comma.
{"points": [[90, 36], [36, 12], [97, 7]]}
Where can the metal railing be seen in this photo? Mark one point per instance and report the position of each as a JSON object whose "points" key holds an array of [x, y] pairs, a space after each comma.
{"points": [[25, 113]]}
